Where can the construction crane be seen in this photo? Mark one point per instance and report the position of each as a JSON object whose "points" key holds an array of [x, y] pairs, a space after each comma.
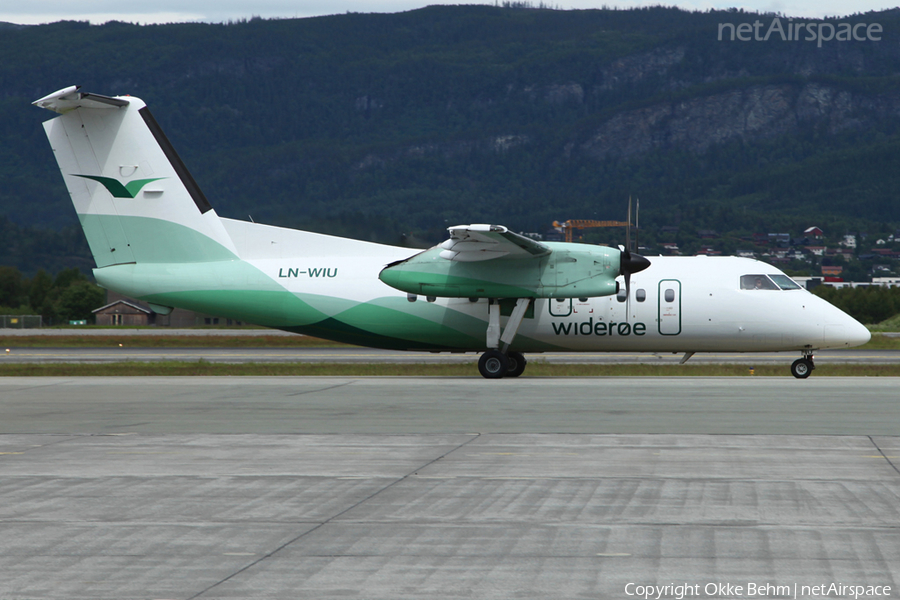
{"points": [[572, 224], [569, 226]]}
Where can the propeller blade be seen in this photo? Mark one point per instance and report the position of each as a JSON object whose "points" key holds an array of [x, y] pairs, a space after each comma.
{"points": [[630, 263], [637, 224], [627, 297], [628, 228]]}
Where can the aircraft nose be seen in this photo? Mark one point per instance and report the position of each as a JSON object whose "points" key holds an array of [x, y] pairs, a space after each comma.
{"points": [[858, 334], [843, 331]]}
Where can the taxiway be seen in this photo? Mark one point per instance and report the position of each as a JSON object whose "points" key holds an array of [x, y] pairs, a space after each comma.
{"points": [[443, 487]]}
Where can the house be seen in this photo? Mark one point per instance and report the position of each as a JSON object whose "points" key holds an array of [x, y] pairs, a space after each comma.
{"points": [[814, 232], [816, 250], [121, 312], [832, 271], [845, 252], [554, 235], [886, 281], [886, 253]]}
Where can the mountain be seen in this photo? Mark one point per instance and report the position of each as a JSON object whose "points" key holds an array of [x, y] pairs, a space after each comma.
{"points": [[382, 126]]}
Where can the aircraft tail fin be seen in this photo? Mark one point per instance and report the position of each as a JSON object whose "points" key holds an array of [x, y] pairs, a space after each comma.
{"points": [[136, 200]]}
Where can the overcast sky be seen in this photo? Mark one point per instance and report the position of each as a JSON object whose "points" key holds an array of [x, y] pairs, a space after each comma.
{"points": [[218, 11]]}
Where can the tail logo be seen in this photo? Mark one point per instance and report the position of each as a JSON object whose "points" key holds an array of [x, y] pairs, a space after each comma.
{"points": [[117, 188]]}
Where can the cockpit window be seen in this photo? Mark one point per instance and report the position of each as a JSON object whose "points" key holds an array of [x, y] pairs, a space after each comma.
{"points": [[757, 282], [785, 282], [768, 282]]}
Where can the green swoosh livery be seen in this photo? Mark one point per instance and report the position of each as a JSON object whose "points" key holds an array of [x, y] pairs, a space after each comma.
{"points": [[117, 189]]}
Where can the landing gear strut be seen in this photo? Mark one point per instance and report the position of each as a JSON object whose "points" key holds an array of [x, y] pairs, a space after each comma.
{"points": [[499, 361], [803, 367]]}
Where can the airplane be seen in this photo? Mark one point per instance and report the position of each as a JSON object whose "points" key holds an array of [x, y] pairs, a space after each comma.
{"points": [[155, 237]]}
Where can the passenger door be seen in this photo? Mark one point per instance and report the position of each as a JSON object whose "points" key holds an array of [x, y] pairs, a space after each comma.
{"points": [[669, 307]]}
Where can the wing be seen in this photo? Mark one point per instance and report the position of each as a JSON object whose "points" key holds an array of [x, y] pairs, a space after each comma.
{"points": [[472, 243], [489, 261]]}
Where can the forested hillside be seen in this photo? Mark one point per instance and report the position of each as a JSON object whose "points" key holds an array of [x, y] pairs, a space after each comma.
{"points": [[382, 126]]}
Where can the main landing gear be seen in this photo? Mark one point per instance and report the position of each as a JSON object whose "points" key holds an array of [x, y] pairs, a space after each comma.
{"points": [[499, 361], [803, 367], [493, 364]]}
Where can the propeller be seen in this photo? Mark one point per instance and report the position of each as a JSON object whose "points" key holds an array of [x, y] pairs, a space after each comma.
{"points": [[630, 263]]}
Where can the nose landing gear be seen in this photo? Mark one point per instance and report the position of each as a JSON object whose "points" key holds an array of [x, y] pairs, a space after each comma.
{"points": [[803, 367]]}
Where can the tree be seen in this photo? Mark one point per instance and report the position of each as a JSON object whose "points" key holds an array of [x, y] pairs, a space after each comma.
{"points": [[78, 300], [12, 287], [67, 277], [39, 289]]}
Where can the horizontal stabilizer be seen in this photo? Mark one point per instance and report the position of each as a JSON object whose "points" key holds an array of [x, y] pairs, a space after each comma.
{"points": [[70, 98]]}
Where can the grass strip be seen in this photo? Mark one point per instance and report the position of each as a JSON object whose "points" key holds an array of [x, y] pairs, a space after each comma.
{"points": [[878, 341], [535, 369], [167, 341]]}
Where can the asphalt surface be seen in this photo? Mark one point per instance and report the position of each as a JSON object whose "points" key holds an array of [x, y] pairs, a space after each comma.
{"points": [[373, 355], [395, 488]]}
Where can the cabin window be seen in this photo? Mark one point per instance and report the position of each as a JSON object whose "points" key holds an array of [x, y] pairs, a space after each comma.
{"points": [[640, 295], [757, 282], [621, 295], [670, 295]]}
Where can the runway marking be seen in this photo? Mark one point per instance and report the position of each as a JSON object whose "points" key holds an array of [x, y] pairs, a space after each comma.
{"points": [[140, 452], [613, 554], [12, 453], [524, 454]]}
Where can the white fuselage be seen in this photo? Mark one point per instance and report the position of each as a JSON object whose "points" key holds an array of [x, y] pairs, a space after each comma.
{"points": [[678, 304], [155, 237]]}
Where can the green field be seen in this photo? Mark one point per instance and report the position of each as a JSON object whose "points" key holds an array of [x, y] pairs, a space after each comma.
{"points": [[536, 368], [879, 341], [164, 341]]}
